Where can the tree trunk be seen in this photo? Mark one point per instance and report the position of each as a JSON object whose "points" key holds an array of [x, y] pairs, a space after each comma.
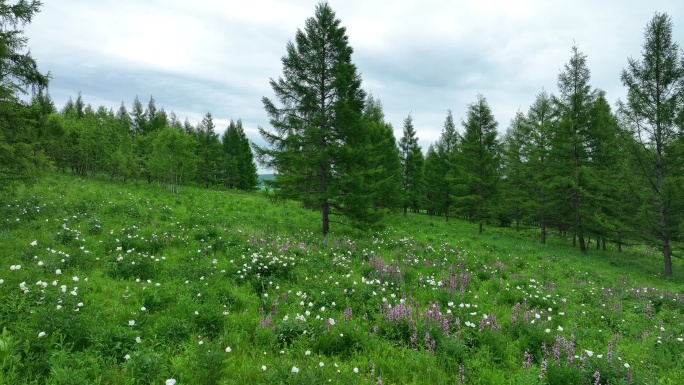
{"points": [[662, 209], [480, 228], [325, 206], [543, 232]]}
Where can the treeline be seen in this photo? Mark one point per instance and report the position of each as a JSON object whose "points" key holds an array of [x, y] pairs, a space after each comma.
{"points": [[143, 143], [569, 163]]}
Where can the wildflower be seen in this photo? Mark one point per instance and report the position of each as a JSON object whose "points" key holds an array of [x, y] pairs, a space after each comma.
{"points": [[321, 364], [143, 308], [589, 353], [307, 353], [356, 370], [560, 328], [548, 330], [201, 342], [34, 243], [58, 271], [263, 368], [170, 381], [131, 323], [626, 365], [75, 278], [127, 357], [41, 334], [2, 281], [138, 340], [228, 349], [295, 369], [40, 263]]}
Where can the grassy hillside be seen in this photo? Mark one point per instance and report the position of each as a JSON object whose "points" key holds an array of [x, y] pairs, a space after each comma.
{"points": [[117, 283]]}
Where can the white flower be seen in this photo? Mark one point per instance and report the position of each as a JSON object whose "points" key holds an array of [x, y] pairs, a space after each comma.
{"points": [[170, 381], [626, 365], [295, 369], [127, 357], [228, 349], [143, 308], [2, 281], [201, 342], [680, 339], [40, 263], [34, 243], [41, 334], [356, 370], [138, 339], [599, 356], [308, 352], [548, 330], [560, 328], [75, 279], [263, 368], [58, 271], [589, 353], [131, 322]]}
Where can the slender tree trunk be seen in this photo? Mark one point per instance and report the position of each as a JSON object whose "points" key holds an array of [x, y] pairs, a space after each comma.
{"points": [[662, 214], [480, 227], [325, 206]]}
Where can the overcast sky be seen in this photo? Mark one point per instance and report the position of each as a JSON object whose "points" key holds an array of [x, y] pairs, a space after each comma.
{"points": [[420, 57]]}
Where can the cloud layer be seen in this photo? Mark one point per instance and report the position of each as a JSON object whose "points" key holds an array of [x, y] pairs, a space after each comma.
{"points": [[419, 57]]}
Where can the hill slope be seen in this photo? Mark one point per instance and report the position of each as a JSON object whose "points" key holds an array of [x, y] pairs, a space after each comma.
{"points": [[124, 283]]}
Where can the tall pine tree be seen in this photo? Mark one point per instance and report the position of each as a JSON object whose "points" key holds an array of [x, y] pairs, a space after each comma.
{"points": [[478, 161], [318, 147], [655, 98], [412, 167]]}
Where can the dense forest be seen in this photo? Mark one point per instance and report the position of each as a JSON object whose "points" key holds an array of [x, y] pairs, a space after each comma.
{"points": [[571, 163]]}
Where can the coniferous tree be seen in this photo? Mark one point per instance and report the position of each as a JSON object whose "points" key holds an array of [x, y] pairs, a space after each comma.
{"points": [[411, 167], [514, 204], [541, 123], [239, 170], [446, 148], [20, 155], [138, 118], [478, 161], [570, 147], [655, 98], [385, 161], [318, 148], [208, 152]]}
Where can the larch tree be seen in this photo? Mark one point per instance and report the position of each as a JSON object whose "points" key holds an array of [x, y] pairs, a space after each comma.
{"points": [[20, 155], [239, 170], [540, 121], [478, 161], [655, 98], [570, 148], [411, 167], [514, 204], [384, 162], [318, 147], [208, 152], [446, 147]]}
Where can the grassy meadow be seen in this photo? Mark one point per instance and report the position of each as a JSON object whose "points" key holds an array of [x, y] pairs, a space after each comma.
{"points": [[123, 283]]}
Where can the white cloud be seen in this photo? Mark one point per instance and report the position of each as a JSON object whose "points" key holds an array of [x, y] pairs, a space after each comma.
{"points": [[420, 57]]}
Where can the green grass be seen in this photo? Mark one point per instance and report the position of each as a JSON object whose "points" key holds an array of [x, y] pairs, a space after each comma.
{"points": [[155, 286]]}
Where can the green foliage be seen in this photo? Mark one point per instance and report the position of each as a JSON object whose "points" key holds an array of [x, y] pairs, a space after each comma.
{"points": [[238, 168], [655, 101], [478, 163], [216, 270], [318, 146], [411, 167]]}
